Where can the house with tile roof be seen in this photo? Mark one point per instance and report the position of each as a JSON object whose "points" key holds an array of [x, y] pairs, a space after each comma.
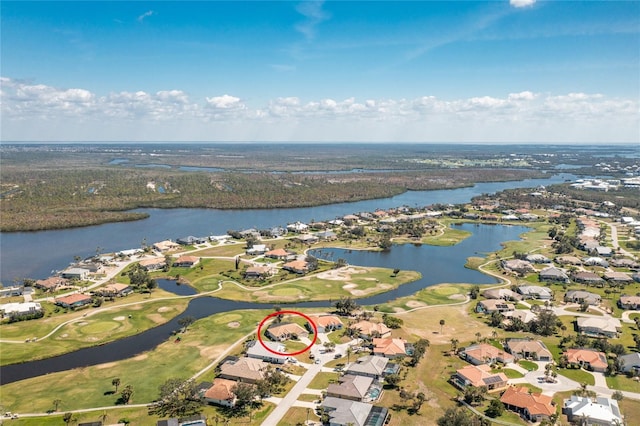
{"points": [[368, 330], [477, 376], [297, 266], [534, 407], [523, 315], [277, 254], [528, 349], [165, 246], [518, 266], [257, 272], [326, 323], [501, 293], [373, 366], [490, 306], [483, 353], [221, 393], [535, 292], [553, 274], [581, 296], [75, 274], [617, 277], [343, 412], [629, 302], [601, 411], [186, 261], [589, 359], [245, 369], [74, 301], [51, 283], [389, 347], [354, 388], [153, 264], [115, 290], [285, 331], [599, 327]]}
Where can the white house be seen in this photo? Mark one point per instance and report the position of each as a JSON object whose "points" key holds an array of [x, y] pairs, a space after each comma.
{"points": [[601, 412]]}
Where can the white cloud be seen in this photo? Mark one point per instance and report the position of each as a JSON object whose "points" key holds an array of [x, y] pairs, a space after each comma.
{"points": [[145, 15], [312, 11], [522, 3], [38, 111]]}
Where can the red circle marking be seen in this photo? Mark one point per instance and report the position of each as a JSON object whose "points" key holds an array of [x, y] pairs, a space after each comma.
{"points": [[313, 325]]}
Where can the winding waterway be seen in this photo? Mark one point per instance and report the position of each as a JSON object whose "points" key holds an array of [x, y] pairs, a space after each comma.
{"points": [[36, 254], [436, 264]]}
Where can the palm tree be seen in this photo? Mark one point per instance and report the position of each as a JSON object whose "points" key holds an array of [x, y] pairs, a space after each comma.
{"points": [[56, 402], [116, 382], [441, 325], [454, 345]]}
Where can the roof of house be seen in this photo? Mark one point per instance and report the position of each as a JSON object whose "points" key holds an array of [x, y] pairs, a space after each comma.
{"points": [[389, 346], [630, 300], [165, 245], [496, 304], [187, 259], [344, 411], [73, 298], [484, 351], [608, 324], [351, 386], [52, 282], [287, 329], [552, 271], [368, 327], [258, 350], [581, 294], [327, 320], [481, 375], [370, 364], [617, 276], [630, 360], [523, 315], [587, 276], [154, 261], [258, 270], [535, 403], [534, 289], [277, 252], [603, 410], [221, 390], [296, 265], [117, 287], [245, 368], [530, 346], [501, 293], [573, 260], [594, 358]]}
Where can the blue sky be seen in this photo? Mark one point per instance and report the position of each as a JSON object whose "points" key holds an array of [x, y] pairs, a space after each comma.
{"points": [[497, 71]]}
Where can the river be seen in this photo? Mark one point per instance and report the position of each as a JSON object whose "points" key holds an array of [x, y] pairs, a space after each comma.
{"points": [[436, 264], [36, 254]]}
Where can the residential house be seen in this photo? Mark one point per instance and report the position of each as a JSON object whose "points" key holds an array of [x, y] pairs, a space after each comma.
{"points": [[585, 411], [80, 274], [257, 249], [298, 227], [389, 348], [599, 327], [221, 393], [280, 254], [327, 235], [354, 388], [92, 267], [186, 261], [12, 291], [537, 258], [528, 349], [307, 239], [115, 289], [525, 316], [190, 240], [257, 350], [490, 306], [477, 376], [617, 277], [595, 261], [297, 266], [483, 353], [636, 277], [630, 363], [285, 331], [255, 272], [568, 260], [553, 274], [165, 246], [535, 292], [326, 323], [245, 369], [153, 264], [629, 302], [534, 407], [587, 358], [74, 301], [588, 278], [581, 296], [51, 284], [373, 366], [21, 310], [501, 293], [343, 412], [368, 330], [518, 266], [603, 251], [624, 262]]}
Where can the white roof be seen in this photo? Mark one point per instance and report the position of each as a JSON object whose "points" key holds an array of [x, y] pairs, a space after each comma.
{"points": [[604, 410]]}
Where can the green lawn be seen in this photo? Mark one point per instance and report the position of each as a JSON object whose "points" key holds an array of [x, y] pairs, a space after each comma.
{"points": [[578, 375], [322, 380], [528, 365], [296, 415], [623, 383], [511, 374]]}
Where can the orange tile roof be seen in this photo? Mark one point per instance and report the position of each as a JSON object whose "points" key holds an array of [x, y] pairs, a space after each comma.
{"points": [[389, 346], [221, 390], [368, 327], [277, 252], [286, 329], [188, 259], [594, 358], [535, 403], [51, 282], [327, 320], [477, 373], [484, 351], [73, 298]]}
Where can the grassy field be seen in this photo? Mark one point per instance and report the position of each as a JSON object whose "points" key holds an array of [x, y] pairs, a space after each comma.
{"points": [[623, 383], [441, 294], [577, 375], [297, 415], [322, 380]]}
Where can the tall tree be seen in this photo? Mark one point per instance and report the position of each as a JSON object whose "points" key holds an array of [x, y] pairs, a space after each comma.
{"points": [[115, 382], [126, 394], [441, 325], [178, 398]]}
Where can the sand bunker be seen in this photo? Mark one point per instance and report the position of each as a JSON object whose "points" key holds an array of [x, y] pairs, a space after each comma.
{"points": [[415, 304], [118, 319], [233, 324], [164, 309], [457, 297], [348, 286]]}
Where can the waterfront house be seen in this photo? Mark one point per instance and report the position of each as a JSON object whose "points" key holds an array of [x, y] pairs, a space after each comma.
{"points": [[599, 412], [165, 246], [344, 412], [528, 349], [371, 366], [490, 306], [553, 274], [12, 291], [477, 376], [280, 254], [326, 323], [153, 264], [589, 359], [74, 301], [245, 369], [534, 407], [297, 266], [115, 289], [599, 327], [483, 353], [298, 227], [79, 274], [518, 266], [581, 296], [501, 293], [368, 330], [186, 261], [307, 239], [256, 350], [190, 240], [629, 302], [389, 348], [354, 388], [51, 284], [221, 393], [535, 292], [285, 331]]}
